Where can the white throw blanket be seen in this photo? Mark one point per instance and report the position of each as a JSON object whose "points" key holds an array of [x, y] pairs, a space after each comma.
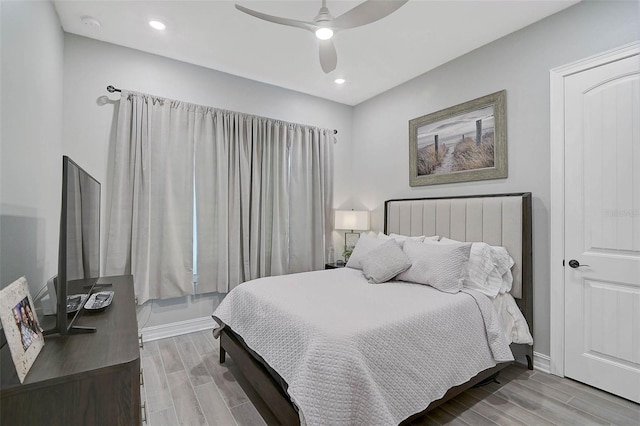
{"points": [[355, 353]]}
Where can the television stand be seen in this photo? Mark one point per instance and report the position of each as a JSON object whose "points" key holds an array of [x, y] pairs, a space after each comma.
{"points": [[50, 328], [78, 329], [97, 285]]}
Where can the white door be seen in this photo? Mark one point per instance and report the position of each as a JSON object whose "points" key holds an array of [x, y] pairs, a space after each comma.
{"points": [[602, 227]]}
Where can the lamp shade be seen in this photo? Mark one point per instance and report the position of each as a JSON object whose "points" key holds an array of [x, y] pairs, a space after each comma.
{"points": [[356, 220]]}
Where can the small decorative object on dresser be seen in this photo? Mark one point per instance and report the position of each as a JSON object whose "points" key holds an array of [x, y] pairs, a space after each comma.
{"points": [[20, 325], [98, 302], [462, 143]]}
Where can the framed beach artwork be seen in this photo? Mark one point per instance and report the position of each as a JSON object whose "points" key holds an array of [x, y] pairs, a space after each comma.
{"points": [[463, 143], [20, 325]]}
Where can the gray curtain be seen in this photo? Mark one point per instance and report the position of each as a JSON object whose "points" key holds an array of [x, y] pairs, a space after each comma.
{"points": [[311, 198], [263, 195], [151, 222]]}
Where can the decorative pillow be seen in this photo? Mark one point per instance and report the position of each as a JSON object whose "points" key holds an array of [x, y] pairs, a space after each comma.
{"points": [[489, 269], [365, 244], [441, 266], [400, 239], [384, 262]]}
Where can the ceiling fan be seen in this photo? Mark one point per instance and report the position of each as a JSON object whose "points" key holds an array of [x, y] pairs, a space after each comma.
{"points": [[324, 25]]}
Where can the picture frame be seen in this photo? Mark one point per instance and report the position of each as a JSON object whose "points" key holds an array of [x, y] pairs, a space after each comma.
{"points": [[24, 335], [462, 143]]}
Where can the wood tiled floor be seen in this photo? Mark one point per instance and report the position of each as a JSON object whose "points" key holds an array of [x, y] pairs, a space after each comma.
{"points": [[185, 385]]}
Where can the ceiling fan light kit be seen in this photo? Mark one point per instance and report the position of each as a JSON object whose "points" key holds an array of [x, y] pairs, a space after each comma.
{"points": [[324, 25], [324, 33]]}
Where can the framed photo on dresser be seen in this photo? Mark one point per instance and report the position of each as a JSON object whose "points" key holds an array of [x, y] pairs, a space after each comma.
{"points": [[20, 324]]}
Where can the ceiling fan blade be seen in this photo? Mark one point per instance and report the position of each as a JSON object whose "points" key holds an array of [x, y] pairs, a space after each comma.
{"points": [[278, 20], [366, 13], [328, 56]]}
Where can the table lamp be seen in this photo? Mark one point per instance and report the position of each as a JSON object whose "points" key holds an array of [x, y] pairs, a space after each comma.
{"points": [[351, 220]]}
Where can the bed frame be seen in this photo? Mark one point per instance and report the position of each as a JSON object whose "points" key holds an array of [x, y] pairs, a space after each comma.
{"points": [[497, 219]]}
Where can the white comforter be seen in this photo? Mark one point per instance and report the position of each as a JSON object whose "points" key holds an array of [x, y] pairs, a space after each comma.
{"points": [[355, 353]]}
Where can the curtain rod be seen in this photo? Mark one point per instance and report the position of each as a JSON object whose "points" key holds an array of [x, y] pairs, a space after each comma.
{"points": [[112, 89]]}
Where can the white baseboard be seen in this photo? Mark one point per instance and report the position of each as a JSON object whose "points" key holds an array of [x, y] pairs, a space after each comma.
{"points": [[542, 362], [157, 332]]}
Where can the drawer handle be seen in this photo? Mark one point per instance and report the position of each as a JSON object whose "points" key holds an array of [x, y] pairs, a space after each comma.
{"points": [[141, 377], [144, 412]]}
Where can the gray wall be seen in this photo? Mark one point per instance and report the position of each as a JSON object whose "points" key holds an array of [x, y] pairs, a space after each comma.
{"points": [[31, 142], [88, 130], [519, 63]]}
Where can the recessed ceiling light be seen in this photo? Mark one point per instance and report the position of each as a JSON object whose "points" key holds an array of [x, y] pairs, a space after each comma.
{"points": [[340, 80], [157, 25], [324, 33]]}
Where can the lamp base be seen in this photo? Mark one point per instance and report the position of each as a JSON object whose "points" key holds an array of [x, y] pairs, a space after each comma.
{"points": [[350, 241]]}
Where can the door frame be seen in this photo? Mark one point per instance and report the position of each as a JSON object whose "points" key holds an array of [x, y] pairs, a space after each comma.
{"points": [[556, 238]]}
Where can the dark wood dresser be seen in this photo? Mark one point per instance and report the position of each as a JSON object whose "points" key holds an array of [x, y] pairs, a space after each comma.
{"points": [[82, 379]]}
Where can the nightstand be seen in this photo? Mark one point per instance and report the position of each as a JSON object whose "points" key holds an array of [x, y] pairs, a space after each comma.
{"points": [[333, 265]]}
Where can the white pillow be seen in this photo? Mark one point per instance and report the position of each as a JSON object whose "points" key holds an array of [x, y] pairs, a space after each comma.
{"points": [[441, 266], [489, 269], [384, 262], [481, 273], [365, 244], [400, 239], [513, 322], [504, 263]]}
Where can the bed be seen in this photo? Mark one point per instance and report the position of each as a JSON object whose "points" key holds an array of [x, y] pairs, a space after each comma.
{"points": [[363, 346]]}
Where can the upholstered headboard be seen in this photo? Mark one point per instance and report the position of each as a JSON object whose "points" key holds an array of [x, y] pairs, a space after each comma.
{"points": [[499, 220]]}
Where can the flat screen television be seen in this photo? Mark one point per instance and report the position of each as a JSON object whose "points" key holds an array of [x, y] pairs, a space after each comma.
{"points": [[79, 250]]}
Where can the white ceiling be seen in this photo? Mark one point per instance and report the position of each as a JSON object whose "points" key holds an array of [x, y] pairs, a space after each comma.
{"points": [[418, 37]]}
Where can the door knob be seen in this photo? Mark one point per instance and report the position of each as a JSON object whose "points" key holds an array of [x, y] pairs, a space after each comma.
{"points": [[575, 264]]}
